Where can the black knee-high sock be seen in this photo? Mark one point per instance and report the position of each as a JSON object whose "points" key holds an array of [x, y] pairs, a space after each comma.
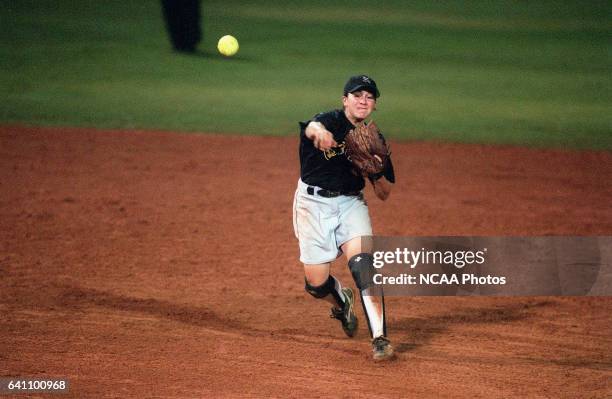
{"points": [[336, 290]]}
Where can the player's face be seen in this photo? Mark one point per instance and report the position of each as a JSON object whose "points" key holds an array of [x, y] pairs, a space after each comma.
{"points": [[358, 105]]}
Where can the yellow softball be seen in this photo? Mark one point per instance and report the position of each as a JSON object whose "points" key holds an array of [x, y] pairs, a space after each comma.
{"points": [[228, 45]]}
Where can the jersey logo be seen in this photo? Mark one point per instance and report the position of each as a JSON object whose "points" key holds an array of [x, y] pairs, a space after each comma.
{"points": [[332, 152]]}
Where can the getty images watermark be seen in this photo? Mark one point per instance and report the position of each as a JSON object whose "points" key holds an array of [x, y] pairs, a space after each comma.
{"points": [[495, 266], [411, 258]]}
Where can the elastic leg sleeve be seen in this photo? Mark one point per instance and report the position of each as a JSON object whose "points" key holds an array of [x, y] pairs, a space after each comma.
{"points": [[362, 269], [331, 286]]}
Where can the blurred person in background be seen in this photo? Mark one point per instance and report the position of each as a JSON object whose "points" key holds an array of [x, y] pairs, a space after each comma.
{"points": [[183, 22]]}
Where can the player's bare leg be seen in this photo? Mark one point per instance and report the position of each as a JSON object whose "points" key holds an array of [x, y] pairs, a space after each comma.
{"points": [[320, 284], [373, 303]]}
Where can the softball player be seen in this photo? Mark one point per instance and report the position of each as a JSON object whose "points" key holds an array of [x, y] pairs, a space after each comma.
{"points": [[330, 215]]}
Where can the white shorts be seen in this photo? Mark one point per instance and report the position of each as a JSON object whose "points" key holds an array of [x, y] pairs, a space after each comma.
{"points": [[322, 224]]}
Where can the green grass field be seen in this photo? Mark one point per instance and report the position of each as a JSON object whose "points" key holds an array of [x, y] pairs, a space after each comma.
{"points": [[516, 72]]}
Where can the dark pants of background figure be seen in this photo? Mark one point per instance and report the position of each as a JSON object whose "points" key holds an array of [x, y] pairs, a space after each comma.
{"points": [[183, 23]]}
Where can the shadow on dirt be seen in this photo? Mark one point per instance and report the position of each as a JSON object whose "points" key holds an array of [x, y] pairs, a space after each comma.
{"points": [[421, 330], [77, 297]]}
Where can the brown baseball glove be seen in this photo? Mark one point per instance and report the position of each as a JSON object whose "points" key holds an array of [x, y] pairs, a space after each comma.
{"points": [[366, 149]]}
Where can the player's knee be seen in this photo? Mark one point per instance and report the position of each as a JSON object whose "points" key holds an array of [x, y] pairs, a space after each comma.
{"points": [[319, 291], [362, 269]]}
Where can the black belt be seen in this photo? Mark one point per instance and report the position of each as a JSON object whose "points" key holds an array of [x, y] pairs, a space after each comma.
{"points": [[331, 194]]}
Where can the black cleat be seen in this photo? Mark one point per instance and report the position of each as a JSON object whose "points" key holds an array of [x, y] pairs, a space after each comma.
{"points": [[381, 346], [347, 314]]}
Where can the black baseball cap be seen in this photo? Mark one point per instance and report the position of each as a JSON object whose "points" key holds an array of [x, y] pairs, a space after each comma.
{"points": [[361, 82]]}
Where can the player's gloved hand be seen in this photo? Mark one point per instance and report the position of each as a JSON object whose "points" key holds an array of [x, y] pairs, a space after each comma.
{"points": [[367, 150]]}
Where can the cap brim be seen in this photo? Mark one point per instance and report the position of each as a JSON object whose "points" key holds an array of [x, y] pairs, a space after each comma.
{"points": [[367, 88]]}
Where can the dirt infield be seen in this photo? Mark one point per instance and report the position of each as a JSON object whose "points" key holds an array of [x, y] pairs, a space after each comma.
{"points": [[152, 264]]}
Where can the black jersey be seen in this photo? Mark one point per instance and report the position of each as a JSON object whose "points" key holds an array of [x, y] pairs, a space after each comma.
{"points": [[331, 169]]}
